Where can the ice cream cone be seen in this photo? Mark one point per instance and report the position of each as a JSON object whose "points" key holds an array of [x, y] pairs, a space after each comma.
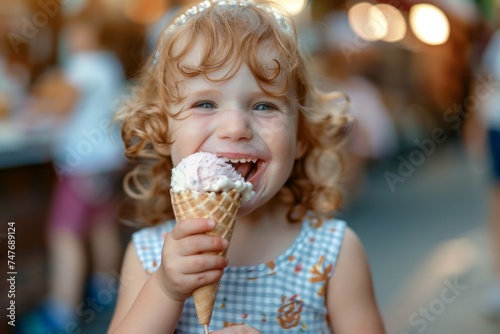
{"points": [[221, 207]]}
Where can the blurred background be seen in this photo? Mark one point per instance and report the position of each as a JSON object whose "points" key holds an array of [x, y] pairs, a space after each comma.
{"points": [[423, 164]]}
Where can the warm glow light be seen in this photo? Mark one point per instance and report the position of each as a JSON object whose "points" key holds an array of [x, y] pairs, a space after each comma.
{"points": [[368, 21], [294, 7], [429, 24], [144, 12], [396, 30]]}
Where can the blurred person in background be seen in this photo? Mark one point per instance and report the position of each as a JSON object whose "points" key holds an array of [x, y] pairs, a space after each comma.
{"points": [[375, 135], [88, 164], [14, 81], [483, 130]]}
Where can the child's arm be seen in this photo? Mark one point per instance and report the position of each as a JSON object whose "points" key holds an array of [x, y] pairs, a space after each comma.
{"points": [[154, 304], [350, 299], [142, 306]]}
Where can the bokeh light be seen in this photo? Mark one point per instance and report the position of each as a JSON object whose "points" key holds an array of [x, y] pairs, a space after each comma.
{"points": [[429, 24], [396, 30], [294, 7], [368, 22]]}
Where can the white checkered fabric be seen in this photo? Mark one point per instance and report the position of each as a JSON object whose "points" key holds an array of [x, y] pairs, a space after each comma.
{"points": [[284, 295]]}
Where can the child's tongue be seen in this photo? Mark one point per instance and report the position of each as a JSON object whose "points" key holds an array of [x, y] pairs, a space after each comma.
{"points": [[243, 168]]}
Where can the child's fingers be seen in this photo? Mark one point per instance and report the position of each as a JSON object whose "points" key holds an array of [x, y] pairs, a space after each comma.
{"points": [[203, 263], [185, 284], [199, 243], [204, 278], [186, 227]]}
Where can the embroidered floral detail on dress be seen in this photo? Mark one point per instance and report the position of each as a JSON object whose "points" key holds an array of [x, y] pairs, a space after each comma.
{"points": [[221, 306], [303, 328], [320, 275], [271, 265], [289, 312]]}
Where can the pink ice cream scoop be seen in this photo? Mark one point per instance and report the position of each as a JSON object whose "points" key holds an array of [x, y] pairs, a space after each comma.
{"points": [[205, 172]]}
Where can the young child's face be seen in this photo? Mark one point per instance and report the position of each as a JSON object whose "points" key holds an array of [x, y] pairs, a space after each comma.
{"points": [[237, 120]]}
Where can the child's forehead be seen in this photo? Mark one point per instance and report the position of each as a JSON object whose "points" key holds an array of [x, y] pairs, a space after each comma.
{"points": [[227, 77], [194, 59]]}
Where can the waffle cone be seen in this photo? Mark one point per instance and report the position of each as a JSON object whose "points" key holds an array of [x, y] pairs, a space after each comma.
{"points": [[220, 207]]}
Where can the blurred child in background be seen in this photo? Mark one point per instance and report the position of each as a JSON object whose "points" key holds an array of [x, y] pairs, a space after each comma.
{"points": [[88, 163]]}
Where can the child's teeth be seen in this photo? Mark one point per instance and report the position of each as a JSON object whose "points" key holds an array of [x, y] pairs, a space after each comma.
{"points": [[242, 160]]}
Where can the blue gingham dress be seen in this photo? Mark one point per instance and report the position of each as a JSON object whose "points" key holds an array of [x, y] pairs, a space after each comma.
{"points": [[283, 295]]}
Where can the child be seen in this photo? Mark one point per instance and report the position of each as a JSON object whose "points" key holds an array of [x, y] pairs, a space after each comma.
{"points": [[88, 164], [228, 78]]}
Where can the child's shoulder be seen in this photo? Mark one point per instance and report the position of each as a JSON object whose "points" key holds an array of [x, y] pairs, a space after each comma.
{"points": [[336, 240], [344, 239], [352, 290], [148, 243]]}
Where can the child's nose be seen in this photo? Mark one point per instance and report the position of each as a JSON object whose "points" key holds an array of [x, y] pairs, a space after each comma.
{"points": [[234, 125]]}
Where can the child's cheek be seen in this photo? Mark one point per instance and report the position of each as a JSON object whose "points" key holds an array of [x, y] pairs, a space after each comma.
{"points": [[276, 127]]}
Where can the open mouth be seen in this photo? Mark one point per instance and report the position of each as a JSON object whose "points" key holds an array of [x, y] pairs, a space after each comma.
{"points": [[246, 167]]}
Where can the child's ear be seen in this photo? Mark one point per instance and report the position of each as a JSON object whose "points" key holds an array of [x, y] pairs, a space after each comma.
{"points": [[301, 149]]}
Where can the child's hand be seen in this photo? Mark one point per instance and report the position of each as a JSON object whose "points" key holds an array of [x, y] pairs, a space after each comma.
{"points": [[183, 267], [240, 329]]}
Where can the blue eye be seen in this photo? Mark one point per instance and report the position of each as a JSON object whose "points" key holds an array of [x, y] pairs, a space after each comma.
{"points": [[265, 106], [205, 105]]}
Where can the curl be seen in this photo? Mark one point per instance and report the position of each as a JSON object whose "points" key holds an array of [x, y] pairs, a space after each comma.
{"points": [[225, 36]]}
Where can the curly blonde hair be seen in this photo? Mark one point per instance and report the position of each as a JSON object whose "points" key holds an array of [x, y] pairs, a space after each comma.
{"points": [[229, 36]]}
